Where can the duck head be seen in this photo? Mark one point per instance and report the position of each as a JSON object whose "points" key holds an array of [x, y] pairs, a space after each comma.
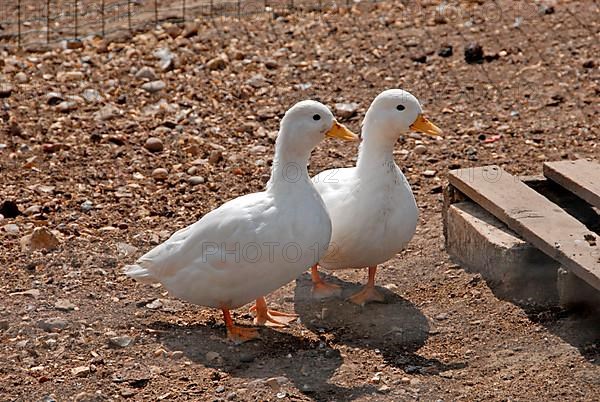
{"points": [[395, 112], [306, 124]]}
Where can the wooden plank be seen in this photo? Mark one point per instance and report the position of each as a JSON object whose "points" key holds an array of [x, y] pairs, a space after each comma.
{"points": [[531, 215], [581, 177]]}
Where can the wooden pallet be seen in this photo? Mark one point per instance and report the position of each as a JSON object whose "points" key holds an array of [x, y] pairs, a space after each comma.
{"points": [[535, 218]]}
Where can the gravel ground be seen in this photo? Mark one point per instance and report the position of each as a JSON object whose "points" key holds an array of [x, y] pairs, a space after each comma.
{"points": [[108, 149]]}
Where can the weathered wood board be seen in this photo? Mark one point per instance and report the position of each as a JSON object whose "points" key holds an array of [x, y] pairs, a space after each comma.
{"points": [[581, 177], [531, 215]]}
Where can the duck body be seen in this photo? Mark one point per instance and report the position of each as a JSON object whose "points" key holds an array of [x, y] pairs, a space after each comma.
{"points": [[372, 207], [253, 244], [379, 214], [242, 250]]}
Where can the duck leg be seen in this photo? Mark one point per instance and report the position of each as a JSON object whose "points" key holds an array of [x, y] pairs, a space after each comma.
{"points": [[322, 289], [368, 292], [271, 318], [235, 333]]}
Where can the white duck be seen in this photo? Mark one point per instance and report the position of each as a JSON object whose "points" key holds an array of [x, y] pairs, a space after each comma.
{"points": [[253, 244], [372, 207]]}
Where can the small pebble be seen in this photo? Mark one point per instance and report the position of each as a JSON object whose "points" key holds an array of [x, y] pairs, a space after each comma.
{"points": [[154, 86], [473, 53], [154, 144], [195, 180], [160, 174], [420, 149], [64, 305]]}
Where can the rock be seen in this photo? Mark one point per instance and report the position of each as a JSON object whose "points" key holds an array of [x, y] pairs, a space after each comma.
{"points": [[89, 397], [67, 106], [4, 325], [589, 64], [419, 58], [190, 29], [383, 389], [146, 73], [258, 149], [173, 30], [546, 9], [167, 58], [215, 156], [376, 379], [429, 173], [33, 210], [54, 98], [210, 356], [107, 113], [125, 249], [195, 180], [64, 305], [74, 44], [154, 144], [257, 81], [473, 53], [87, 206], [346, 110], [160, 174], [271, 64], [40, 239], [69, 76], [11, 229], [420, 149], [120, 341], [51, 148], [92, 96], [218, 63], [445, 51], [177, 354], [53, 324], [21, 77], [81, 371], [35, 293], [154, 86], [220, 389], [154, 304], [441, 316], [9, 209], [5, 90]]}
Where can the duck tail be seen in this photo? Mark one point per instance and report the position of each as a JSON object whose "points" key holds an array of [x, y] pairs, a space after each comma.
{"points": [[139, 273]]}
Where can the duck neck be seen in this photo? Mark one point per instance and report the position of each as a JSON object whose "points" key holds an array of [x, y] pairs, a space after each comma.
{"points": [[375, 150], [289, 168]]}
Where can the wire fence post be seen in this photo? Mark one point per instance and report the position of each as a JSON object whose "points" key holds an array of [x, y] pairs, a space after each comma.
{"points": [[129, 15], [239, 9], [183, 9], [47, 22], [155, 13], [211, 5], [76, 21], [19, 24], [103, 19]]}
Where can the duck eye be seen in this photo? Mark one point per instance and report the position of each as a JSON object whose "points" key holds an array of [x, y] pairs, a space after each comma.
{"points": [[400, 107], [317, 117]]}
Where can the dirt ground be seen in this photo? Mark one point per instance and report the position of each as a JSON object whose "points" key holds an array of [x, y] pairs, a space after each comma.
{"points": [[73, 327]]}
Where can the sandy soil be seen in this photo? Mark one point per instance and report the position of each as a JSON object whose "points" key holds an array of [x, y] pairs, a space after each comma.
{"points": [[72, 327]]}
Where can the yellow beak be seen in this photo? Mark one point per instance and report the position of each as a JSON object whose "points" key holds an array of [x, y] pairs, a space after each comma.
{"points": [[340, 131], [425, 126]]}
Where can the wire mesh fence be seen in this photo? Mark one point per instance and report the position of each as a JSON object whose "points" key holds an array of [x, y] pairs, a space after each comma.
{"points": [[46, 22]]}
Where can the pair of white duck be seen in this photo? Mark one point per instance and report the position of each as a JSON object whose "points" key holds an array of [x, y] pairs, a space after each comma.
{"points": [[344, 218]]}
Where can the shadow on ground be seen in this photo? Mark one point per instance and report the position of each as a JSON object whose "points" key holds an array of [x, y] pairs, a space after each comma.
{"points": [[308, 364], [396, 328]]}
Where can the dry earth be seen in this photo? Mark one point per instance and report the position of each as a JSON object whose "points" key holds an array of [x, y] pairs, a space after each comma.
{"points": [[72, 327]]}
